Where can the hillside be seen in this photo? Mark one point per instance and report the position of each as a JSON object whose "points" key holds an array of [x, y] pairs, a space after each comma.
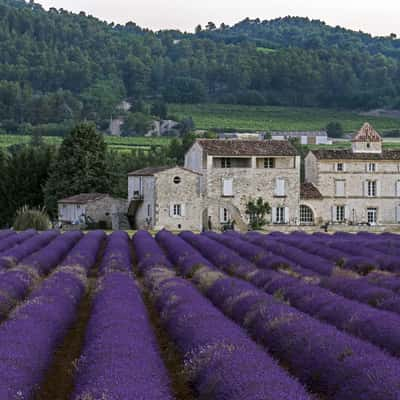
{"points": [[58, 68]]}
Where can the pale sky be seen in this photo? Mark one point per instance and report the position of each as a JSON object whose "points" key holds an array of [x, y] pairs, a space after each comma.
{"points": [[380, 17]]}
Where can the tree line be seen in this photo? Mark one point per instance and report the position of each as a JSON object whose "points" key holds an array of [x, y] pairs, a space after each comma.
{"points": [[38, 174], [58, 68]]}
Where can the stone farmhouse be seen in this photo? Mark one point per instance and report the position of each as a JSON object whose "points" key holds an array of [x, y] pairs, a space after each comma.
{"points": [[219, 178], [354, 186]]}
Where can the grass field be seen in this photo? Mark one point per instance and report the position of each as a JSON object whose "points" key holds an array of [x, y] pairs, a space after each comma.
{"points": [[252, 118], [115, 143]]}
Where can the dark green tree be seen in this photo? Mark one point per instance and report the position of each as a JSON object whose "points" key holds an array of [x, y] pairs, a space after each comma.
{"points": [[80, 166], [257, 210], [335, 130]]}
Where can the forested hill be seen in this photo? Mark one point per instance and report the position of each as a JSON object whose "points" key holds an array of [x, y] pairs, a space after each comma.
{"points": [[57, 67], [303, 33]]}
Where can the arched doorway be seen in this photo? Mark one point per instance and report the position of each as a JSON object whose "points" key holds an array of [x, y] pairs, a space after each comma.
{"points": [[306, 215]]}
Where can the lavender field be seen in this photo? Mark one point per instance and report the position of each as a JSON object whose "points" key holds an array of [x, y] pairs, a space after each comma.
{"points": [[212, 316]]}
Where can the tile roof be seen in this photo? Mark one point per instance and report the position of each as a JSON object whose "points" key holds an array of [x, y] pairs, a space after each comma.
{"points": [[367, 134], [347, 154], [237, 147], [309, 191], [151, 171], [83, 198]]}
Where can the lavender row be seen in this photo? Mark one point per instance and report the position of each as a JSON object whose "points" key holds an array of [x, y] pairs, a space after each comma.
{"points": [[120, 359], [304, 259], [40, 324], [221, 361], [14, 255], [13, 240], [117, 256], [380, 327], [363, 291], [6, 233], [330, 362], [16, 282]]}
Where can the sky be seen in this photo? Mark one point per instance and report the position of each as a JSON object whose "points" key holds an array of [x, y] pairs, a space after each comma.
{"points": [[372, 16]]}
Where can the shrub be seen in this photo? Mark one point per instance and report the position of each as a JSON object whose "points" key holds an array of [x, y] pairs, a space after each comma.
{"points": [[31, 218]]}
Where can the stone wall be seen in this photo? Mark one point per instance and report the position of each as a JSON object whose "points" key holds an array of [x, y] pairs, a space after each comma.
{"points": [[187, 193], [251, 183], [102, 210]]}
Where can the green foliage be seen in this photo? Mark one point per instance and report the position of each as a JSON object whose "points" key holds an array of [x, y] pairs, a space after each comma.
{"points": [[257, 210], [229, 117], [136, 124], [335, 130], [80, 166], [159, 109], [31, 218], [24, 170]]}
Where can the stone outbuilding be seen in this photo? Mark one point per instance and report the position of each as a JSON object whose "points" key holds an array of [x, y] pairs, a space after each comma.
{"points": [[90, 208], [165, 197]]}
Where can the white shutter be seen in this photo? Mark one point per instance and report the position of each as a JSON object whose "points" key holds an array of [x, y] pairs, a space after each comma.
{"points": [[273, 215], [366, 167], [171, 210], [287, 219], [365, 188], [227, 187], [221, 215], [339, 188], [333, 211], [280, 187], [398, 188], [346, 213], [183, 210], [344, 167], [378, 188], [398, 213]]}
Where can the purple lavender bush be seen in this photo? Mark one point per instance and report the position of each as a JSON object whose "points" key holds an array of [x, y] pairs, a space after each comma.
{"points": [[10, 241], [220, 360]]}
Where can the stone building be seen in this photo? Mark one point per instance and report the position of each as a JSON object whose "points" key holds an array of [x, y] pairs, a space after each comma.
{"points": [[355, 186], [236, 171], [164, 197], [87, 208]]}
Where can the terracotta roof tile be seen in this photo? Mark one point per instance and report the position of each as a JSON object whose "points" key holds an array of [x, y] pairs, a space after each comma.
{"points": [[308, 191], [347, 154], [367, 134], [83, 198], [237, 147]]}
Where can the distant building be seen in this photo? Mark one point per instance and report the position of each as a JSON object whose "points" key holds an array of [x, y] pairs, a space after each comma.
{"points": [[238, 135], [320, 137], [86, 208], [164, 197], [357, 185]]}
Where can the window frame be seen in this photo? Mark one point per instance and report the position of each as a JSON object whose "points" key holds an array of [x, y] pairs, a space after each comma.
{"points": [[269, 163], [340, 212], [177, 210], [372, 188], [226, 163]]}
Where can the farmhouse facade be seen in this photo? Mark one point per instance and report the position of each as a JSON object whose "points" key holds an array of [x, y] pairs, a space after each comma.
{"points": [[360, 185]]}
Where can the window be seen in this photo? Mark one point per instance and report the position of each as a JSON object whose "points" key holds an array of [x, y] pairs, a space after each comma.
{"points": [[148, 210], [368, 145], [224, 215], [269, 163], [280, 187], [177, 210], [177, 180], [397, 189], [306, 215], [371, 188], [371, 167], [372, 215], [340, 190], [227, 187], [78, 206], [339, 167], [340, 213], [226, 163], [280, 215]]}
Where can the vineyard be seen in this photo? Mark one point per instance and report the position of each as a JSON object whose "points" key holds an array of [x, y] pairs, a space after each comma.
{"points": [[199, 316]]}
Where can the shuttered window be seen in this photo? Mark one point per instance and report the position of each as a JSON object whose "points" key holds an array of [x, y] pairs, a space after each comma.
{"points": [[227, 187], [280, 187], [340, 188]]}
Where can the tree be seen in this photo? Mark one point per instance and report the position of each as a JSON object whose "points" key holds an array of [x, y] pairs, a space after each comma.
{"points": [[136, 124], [334, 130], [198, 29], [257, 210], [211, 26], [80, 166], [159, 109]]}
